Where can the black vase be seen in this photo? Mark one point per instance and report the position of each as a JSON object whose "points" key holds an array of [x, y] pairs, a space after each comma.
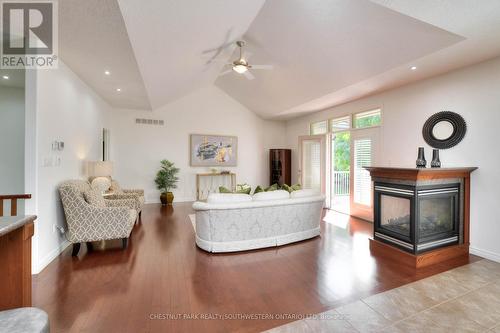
{"points": [[435, 163], [421, 162]]}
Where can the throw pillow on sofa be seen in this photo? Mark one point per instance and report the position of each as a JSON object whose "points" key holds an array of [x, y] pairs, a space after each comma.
{"points": [[94, 198], [258, 189], [223, 189], [243, 188], [222, 198], [273, 187], [291, 188], [271, 195], [102, 184], [239, 189]]}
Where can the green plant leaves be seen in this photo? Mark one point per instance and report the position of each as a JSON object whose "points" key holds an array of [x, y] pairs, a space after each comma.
{"points": [[166, 178]]}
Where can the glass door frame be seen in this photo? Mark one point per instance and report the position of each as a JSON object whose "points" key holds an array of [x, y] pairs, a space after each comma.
{"points": [[324, 165], [364, 212], [331, 175]]}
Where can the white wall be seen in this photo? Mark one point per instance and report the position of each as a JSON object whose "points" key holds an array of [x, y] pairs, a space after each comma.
{"points": [[61, 107], [138, 149], [472, 92], [66, 110], [12, 144]]}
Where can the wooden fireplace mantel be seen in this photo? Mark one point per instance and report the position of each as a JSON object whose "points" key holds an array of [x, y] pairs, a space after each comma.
{"points": [[379, 248], [419, 173]]}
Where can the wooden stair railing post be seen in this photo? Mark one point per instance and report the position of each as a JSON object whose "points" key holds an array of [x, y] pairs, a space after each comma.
{"points": [[13, 207], [13, 202]]}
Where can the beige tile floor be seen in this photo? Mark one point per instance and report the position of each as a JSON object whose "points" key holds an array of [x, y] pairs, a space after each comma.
{"points": [[464, 299]]}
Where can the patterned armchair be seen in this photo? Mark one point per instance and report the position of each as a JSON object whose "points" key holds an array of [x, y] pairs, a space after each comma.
{"points": [[90, 217], [119, 193]]}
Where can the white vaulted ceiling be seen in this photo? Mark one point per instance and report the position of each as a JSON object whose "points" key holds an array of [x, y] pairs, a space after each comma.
{"points": [[92, 39], [169, 39], [323, 46], [478, 22], [324, 52]]}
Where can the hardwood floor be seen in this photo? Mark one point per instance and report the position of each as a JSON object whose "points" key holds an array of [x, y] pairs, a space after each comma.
{"points": [[162, 273]]}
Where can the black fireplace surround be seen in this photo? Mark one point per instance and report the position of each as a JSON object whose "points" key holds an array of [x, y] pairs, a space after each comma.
{"points": [[417, 218]]}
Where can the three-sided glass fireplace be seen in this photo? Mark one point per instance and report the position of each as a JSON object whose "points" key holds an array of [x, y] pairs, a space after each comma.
{"points": [[417, 218]]}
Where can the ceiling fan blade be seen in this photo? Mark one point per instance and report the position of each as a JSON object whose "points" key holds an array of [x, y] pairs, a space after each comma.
{"points": [[249, 75], [218, 49], [220, 61], [226, 72], [215, 52], [227, 42], [262, 67], [216, 58]]}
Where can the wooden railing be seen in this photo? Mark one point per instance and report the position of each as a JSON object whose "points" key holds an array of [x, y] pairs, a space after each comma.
{"points": [[13, 202]]}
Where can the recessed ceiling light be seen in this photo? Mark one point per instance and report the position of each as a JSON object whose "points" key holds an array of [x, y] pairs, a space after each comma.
{"points": [[118, 89], [107, 72], [5, 77], [413, 68]]}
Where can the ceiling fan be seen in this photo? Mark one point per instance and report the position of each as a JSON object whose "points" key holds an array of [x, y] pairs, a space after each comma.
{"points": [[241, 65]]}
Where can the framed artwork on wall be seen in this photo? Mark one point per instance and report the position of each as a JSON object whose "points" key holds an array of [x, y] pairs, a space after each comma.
{"points": [[213, 150]]}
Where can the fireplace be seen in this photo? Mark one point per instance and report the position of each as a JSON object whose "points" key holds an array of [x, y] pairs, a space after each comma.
{"points": [[417, 218], [421, 216]]}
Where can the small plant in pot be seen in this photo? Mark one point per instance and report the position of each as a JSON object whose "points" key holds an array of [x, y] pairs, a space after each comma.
{"points": [[166, 180]]}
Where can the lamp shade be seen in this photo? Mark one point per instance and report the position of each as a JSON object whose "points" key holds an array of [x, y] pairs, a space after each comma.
{"points": [[100, 168]]}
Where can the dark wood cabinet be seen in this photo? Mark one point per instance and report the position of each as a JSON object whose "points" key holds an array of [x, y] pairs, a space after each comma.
{"points": [[280, 166]]}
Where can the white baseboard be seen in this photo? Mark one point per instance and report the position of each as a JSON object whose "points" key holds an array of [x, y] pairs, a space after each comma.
{"points": [[485, 254], [51, 256]]}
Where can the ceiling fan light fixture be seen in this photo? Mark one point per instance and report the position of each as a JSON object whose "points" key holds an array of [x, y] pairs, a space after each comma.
{"points": [[240, 69]]}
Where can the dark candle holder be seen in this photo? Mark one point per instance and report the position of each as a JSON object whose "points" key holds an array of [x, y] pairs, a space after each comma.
{"points": [[421, 161], [435, 163]]}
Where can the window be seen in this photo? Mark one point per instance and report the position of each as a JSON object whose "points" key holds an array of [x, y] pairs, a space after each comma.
{"points": [[367, 119], [355, 121], [340, 124], [320, 127]]}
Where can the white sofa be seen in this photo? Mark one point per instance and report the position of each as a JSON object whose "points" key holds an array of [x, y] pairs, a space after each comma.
{"points": [[237, 222]]}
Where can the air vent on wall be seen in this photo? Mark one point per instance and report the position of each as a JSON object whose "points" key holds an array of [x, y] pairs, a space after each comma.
{"points": [[142, 121]]}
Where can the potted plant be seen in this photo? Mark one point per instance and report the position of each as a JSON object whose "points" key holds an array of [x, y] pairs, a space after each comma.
{"points": [[166, 180]]}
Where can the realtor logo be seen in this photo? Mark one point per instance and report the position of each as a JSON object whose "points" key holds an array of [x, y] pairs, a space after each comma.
{"points": [[29, 34]]}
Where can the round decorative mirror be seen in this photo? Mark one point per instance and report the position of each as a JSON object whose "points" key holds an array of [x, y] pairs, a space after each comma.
{"points": [[444, 130]]}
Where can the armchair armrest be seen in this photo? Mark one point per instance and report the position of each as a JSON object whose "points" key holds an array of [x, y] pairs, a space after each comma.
{"points": [[129, 202], [118, 196], [134, 191], [138, 200]]}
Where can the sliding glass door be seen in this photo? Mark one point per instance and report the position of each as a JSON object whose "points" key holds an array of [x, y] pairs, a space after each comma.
{"points": [[341, 171], [364, 143]]}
